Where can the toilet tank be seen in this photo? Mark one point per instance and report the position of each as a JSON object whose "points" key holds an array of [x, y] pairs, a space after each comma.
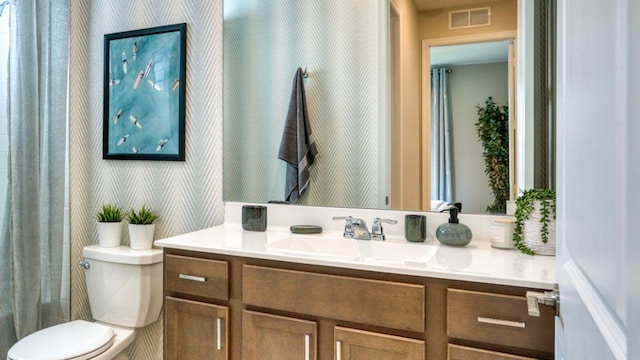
{"points": [[124, 285]]}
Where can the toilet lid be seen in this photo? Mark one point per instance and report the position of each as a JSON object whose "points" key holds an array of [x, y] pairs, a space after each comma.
{"points": [[73, 340]]}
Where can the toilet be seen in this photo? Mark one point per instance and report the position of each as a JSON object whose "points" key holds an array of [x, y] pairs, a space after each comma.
{"points": [[125, 292]]}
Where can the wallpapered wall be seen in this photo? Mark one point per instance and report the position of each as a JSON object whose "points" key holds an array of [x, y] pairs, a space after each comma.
{"points": [[340, 44], [187, 195]]}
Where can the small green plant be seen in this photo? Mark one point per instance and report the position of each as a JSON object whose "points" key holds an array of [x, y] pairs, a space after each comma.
{"points": [[525, 205], [143, 216], [493, 131], [110, 213]]}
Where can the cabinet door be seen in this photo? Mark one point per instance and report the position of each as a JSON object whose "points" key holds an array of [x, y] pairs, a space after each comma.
{"points": [[457, 352], [353, 344], [195, 330], [270, 337]]}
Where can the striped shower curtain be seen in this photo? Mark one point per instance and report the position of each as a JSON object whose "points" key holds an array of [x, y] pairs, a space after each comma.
{"points": [[31, 234]]}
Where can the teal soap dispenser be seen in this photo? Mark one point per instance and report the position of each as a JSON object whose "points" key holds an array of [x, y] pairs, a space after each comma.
{"points": [[453, 233]]}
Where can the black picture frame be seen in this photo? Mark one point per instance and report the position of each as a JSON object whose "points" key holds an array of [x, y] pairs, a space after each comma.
{"points": [[144, 94]]}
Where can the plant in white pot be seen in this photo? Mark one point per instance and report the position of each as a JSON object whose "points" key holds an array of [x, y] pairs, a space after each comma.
{"points": [[141, 228], [110, 225], [535, 232]]}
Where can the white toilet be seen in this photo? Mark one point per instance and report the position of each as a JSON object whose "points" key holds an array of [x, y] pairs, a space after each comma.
{"points": [[125, 292]]}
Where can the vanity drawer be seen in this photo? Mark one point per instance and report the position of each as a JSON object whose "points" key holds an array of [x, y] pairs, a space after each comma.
{"points": [[457, 352], [498, 319], [381, 303], [195, 276]]}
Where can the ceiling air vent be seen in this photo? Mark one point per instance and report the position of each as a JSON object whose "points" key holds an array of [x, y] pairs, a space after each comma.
{"points": [[462, 19]]}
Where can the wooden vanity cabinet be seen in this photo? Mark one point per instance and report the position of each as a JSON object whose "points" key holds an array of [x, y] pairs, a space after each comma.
{"points": [[368, 302], [195, 327], [266, 337], [457, 352], [195, 330], [365, 301], [353, 344], [497, 319], [264, 309]]}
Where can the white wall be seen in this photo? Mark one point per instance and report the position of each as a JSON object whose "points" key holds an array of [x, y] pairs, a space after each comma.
{"points": [[470, 86], [187, 195]]}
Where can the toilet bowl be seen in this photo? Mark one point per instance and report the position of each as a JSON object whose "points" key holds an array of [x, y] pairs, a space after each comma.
{"points": [[77, 340], [125, 292]]}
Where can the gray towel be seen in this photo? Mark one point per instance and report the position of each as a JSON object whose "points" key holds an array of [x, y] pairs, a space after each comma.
{"points": [[297, 147]]}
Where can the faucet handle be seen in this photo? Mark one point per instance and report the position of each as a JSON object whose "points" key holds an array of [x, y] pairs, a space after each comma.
{"points": [[348, 226], [377, 233]]}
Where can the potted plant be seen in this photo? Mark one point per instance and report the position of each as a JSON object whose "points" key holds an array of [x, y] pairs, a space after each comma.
{"points": [[493, 131], [110, 225], [141, 228], [535, 231]]}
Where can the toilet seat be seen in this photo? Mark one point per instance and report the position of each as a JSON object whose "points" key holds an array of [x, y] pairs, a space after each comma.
{"points": [[75, 340]]}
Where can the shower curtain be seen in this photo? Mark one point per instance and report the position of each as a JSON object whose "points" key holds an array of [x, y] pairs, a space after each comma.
{"points": [[442, 177], [31, 237]]}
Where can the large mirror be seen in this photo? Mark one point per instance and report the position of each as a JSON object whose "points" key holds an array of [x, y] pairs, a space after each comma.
{"points": [[367, 97]]}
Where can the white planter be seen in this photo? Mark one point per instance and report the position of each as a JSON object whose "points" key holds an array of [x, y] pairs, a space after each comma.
{"points": [[109, 234], [141, 236], [532, 232]]}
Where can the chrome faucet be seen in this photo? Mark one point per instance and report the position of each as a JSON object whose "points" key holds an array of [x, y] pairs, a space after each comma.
{"points": [[355, 228]]}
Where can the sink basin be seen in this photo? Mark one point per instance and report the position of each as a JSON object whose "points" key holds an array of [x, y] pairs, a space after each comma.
{"points": [[349, 249], [312, 245]]}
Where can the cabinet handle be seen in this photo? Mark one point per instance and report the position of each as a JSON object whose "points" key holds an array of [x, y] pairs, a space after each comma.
{"points": [[218, 334], [307, 340], [192, 278], [516, 324], [338, 350]]}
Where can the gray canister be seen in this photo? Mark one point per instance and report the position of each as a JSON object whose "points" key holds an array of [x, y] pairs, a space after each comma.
{"points": [[254, 217]]}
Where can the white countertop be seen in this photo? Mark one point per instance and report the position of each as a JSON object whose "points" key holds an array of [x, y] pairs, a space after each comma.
{"points": [[477, 262]]}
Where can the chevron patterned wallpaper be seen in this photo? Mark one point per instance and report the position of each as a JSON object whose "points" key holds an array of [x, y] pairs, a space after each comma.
{"points": [[187, 195], [338, 41]]}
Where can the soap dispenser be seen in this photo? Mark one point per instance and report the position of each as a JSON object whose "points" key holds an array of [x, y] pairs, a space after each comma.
{"points": [[453, 233]]}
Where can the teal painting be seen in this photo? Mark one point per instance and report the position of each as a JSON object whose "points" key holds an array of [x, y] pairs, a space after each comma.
{"points": [[144, 80]]}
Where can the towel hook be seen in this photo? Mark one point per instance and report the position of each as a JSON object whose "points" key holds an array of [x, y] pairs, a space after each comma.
{"points": [[305, 73]]}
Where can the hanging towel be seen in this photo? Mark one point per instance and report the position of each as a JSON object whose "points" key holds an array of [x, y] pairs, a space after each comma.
{"points": [[297, 147]]}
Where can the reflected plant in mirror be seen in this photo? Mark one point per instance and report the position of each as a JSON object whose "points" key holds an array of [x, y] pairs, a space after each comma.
{"points": [[493, 131], [367, 69]]}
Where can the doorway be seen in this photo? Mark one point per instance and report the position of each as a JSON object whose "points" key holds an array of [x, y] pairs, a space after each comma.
{"points": [[505, 40]]}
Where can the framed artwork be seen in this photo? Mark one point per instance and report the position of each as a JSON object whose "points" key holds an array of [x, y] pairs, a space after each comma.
{"points": [[144, 74]]}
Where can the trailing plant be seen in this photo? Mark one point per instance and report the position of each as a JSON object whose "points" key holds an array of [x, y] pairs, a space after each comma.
{"points": [[493, 130], [525, 204], [110, 213], [144, 216]]}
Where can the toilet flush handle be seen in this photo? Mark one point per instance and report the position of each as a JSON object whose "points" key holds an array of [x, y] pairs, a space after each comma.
{"points": [[85, 265]]}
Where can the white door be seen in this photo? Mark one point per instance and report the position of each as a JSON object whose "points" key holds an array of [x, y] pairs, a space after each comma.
{"points": [[598, 185]]}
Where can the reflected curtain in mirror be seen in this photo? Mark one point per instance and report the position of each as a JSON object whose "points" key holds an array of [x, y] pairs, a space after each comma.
{"points": [[442, 176]]}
